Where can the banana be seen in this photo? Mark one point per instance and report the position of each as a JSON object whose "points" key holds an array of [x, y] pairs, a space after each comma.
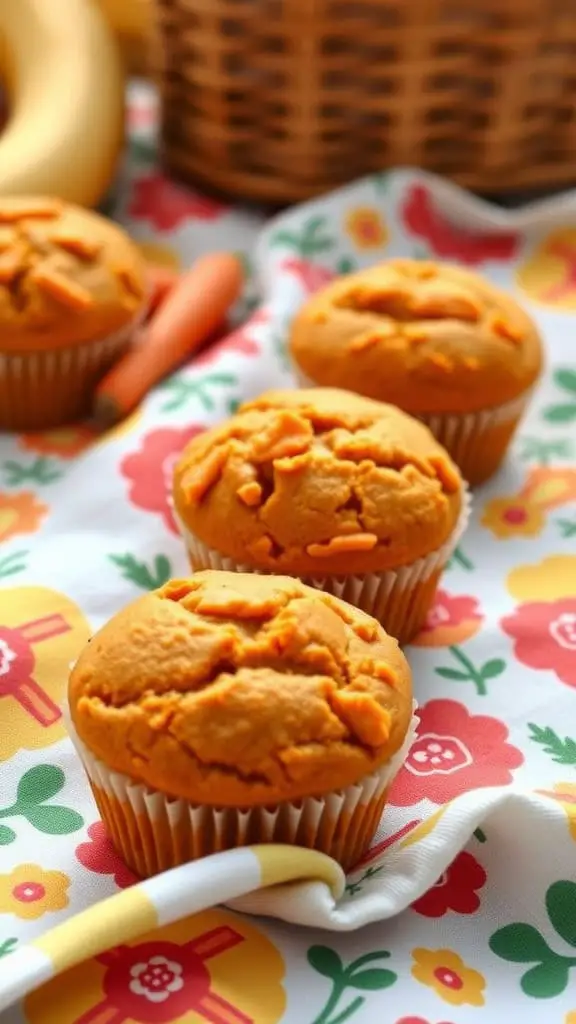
{"points": [[65, 85]]}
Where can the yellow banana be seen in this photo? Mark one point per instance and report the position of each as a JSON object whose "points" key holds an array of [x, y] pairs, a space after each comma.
{"points": [[65, 84]]}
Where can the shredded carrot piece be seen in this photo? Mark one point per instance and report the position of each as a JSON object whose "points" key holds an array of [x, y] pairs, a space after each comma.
{"points": [[506, 330], [81, 247], [61, 288], [354, 542], [20, 209], [200, 478], [250, 493], [262, 547]]}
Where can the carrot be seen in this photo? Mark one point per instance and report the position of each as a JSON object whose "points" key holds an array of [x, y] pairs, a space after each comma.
{"points": [[161, 281], [193, 309]]}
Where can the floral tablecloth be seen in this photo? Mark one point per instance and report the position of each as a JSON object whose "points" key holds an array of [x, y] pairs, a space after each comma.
{"points": [[465, 909]]}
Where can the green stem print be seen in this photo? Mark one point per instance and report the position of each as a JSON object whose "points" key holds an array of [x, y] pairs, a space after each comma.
{"points": [[313, 238], [470, 673], [461, 559], [563, 751], [533, 449], [7, 946], [12, 564], [352, 888], [182, 389], [479, 835], [148, 578], [567, 527], [36, 787], [356, 976], [524, 944], [565, 411], [41, 471]]}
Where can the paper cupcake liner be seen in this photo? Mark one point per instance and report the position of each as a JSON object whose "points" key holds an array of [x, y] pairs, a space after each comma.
{"points": [[153, 832], [398, 598], [39, 390], [476, 441]]}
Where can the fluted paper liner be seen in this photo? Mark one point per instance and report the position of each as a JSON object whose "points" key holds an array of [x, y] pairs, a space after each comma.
{"points": [[39, 390], [398, 598], [476, 441], [153, 832]]}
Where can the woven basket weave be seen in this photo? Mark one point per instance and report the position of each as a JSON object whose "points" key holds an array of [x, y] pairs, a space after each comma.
{"points": [[281, 99]]}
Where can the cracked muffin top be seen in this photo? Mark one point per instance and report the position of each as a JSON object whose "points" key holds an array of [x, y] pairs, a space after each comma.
{"points": [[430, 337], [234, 689], [67, 275], [318, 481]]}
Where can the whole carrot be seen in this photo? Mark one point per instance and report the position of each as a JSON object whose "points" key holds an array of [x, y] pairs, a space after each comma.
{"points": [[161, 281], [191, 311]]}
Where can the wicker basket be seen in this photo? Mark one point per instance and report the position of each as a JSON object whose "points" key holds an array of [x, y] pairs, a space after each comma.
{"points": [[281, 99]]}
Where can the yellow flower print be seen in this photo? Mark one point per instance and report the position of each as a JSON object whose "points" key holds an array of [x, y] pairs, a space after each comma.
{"points": [[548, 580], [523, 514], [29, 892], [448, 975], [565, 794], [366, 228], [570, 1018], [513, 517], [549, 274], [41, 632], [214, 966]]}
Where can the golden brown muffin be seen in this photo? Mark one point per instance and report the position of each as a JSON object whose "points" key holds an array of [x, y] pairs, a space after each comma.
{"points": [[71, 287], [438, 341], [236, 690], [318, 481], [228, 709]]}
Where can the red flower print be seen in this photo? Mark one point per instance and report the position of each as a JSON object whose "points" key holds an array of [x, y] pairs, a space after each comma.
{"points": [[150, 470], [418, 1020], [450, 620], [240, 341], [453, 753], [161, 981], [167, 205], [100, 856], [424, 220], [545, 636], [455, 890], [310, 275]]}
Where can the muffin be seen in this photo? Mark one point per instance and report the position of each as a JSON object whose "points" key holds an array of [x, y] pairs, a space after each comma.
{"points": [[230, 709], [352, 496], [72, 288], [440, 342]]}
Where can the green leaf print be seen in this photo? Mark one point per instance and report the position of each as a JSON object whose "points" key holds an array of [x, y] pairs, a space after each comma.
{"points": [[36, 786], [311, 240], [461, 559], [561, 909], [565, 411], [563, 751], [356, 975], [468, 672], [142, 575], [353, 888], [533, 449], [567, 527], [41, 471], [183, 389], [12, 564], [39, 784], [7, 946], [523, 944]]}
